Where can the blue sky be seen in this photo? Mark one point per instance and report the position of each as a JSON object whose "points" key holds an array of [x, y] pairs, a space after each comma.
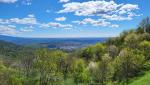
{"points": [[70, 18]]}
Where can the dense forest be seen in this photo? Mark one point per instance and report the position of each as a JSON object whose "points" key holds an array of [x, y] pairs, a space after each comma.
{"points": [[120, 60]]}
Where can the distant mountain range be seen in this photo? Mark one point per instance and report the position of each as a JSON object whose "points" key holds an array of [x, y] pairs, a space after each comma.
{"points": [[53, 43]]}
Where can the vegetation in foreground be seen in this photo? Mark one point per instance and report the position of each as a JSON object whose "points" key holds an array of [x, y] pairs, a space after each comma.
{"points": [[124, 60], [142, 80]]}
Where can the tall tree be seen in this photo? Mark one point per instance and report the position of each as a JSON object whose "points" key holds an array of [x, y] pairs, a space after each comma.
{"points": [[80, 74], [103, 71], [46, 65], [127, 64], [145, 24]]}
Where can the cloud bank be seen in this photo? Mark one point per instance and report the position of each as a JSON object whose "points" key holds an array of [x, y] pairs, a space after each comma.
{"points": [[103, 9]]}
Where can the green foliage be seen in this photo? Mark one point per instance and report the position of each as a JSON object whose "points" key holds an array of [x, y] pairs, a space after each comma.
{"points": [[145, 46], [145, 36], [103, 71], [131, 40], [9, 76], [87, 53], [99, 51], [113, 51], [127, 65], [139, 30], [94, 52], [145, 24], [142, 80], [46, 65], [80, 73], [119, 61], [147, 65]]}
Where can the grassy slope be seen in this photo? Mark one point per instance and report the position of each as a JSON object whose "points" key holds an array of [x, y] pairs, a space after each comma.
{"points": [[143, 80]]}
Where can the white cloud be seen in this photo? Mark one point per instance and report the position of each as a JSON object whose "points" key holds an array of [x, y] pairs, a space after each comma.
{"points": [[31, 15], [2, 21], [89, 8], [129, 7], [26, 29], [115, 17], [99, 22], [114, 26], [68, 28], [27, 2], [102, 9], [64, 1], [130, 14], [60, 19], [7, 30], [28, 20], [12, 26], [8, 26], [8, 1], [55, 25], [11, 29], [93, 22], [44, 25]]}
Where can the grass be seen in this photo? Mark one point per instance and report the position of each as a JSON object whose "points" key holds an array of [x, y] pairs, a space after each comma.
{"points": [[143, 80]]}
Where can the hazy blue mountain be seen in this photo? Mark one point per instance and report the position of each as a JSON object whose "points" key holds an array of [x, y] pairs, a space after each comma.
{"points": [[53, 43]]}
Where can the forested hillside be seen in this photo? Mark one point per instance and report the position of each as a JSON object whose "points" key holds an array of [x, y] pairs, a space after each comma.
{"points": [[123, 60]]}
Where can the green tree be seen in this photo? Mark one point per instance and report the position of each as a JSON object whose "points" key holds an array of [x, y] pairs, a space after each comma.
{"points": [[131, 40], [127, 65], [10, 76], [113, 51], [99, 50], [81, 73], [145, 36], [88, 53], [46, 66], [103, 72], [94, 52], [145, 46], [145, 24]]}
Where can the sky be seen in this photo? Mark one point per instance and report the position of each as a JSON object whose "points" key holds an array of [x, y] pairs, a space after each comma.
{"points": [[70, 18]]}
